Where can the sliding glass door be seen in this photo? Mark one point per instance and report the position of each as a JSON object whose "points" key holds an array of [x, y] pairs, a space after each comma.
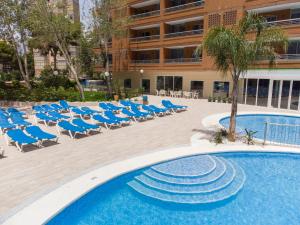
{"points": [[285, 91], [263, 92]]}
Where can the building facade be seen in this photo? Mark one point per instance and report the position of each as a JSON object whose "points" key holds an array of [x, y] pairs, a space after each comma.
{"points": [[163, 36], [72, 10]]}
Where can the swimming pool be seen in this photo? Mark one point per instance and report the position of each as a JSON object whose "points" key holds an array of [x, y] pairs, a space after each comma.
{"points": [[281, 128], [270, 195]]}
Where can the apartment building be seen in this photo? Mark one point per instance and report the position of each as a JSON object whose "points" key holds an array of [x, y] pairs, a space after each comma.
{"points": [[72, 10], [163, 36]]}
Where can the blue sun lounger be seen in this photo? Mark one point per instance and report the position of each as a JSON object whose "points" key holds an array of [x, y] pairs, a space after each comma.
{"points": [[20, 138], [90, 127], [104, 106], [38, 109], [108, 123], [13, 110], [132, 115], [155, 112], [70, 128], [58, 115], [48, 108], [57, 107], [112, 116], [78, 112], [46, 119], [89, 110], [169, 105], [163, 110], [18, 120], [5, 125], [65, 105], [114, 107], [138, 112], [40, 135]]}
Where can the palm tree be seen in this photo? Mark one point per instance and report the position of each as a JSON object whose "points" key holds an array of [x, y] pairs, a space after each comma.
{"points": [[235, 49]]}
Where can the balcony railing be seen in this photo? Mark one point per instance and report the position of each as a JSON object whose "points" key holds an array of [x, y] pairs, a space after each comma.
{"points": [[145, 61], [183, 60], [184, 33], [145, 38], [142, 15], [287, 22], [288, 57], [184, 6]]}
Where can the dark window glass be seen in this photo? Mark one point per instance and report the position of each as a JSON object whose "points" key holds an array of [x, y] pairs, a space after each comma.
{"points": [[251, 91], [275, 93], [295, 95], [177, 83], [169, 83], [127, 83], [285, 94], [221, 89], [160, 83], [263, 92], [198, 87]]}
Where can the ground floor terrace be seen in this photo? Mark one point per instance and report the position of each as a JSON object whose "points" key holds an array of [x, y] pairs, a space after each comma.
{"points": [[26, 176]]}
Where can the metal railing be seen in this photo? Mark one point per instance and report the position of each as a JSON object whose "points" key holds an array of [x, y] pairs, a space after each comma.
{"points": [[184, 33], [146, 14], [145, 61], [287, 22], [183, 60], [282, 57], [145, 38], [185, 6], [282, 134]]}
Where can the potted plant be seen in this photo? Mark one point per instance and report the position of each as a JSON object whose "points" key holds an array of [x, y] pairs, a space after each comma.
{"points": [[214, 99], [229, 100], [224, 100], [219, 98], [209, 99]]}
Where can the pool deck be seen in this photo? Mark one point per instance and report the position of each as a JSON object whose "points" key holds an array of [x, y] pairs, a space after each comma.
{"points": [[26, 176]]}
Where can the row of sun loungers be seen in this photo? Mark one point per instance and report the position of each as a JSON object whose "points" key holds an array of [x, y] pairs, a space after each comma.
{"points": [[71, 119]]}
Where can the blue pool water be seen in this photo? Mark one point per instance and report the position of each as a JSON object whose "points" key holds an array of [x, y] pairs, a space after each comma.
{"points": [[270, 195], [275, 133]]}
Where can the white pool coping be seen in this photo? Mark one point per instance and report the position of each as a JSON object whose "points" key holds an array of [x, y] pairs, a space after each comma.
{"points": [[49, 205]]}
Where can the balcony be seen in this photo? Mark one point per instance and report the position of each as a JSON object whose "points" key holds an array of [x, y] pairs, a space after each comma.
{"points": [[183, 60], [145, 61], [145, 9], [288, 57], [184, 33], [146, 14], [184, 6], [287, 22], [145, 38]]}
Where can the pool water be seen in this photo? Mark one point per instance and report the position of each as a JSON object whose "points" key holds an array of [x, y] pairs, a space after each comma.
{"points": [[288, 132], [270, 195]]}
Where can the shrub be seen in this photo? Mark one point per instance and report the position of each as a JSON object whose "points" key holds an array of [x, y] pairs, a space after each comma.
{"points": [[209, 99], [219, 136], [48, 79]]}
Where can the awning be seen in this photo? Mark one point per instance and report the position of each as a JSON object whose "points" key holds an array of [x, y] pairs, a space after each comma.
{"points": [[274, 74]]}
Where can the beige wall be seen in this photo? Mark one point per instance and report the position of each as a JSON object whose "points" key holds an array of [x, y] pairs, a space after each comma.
{"points": [[207, 76]]}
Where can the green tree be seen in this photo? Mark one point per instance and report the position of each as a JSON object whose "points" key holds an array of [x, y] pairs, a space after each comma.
{"points": [[110, 21], [235, 49], [13, 29], [87, 56], [51, 19]]}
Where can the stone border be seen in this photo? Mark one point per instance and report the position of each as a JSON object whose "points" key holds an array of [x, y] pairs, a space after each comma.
{"points": [[49, 205]]}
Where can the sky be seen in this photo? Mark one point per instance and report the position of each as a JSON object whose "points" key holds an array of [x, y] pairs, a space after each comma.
{"points": [[85, 6]]}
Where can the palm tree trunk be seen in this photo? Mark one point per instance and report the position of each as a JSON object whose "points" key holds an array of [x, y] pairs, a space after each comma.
{"points": [[234, 105]]}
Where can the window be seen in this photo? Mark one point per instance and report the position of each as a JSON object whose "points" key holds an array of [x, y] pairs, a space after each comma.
{"points": [[251, 91], [294, 47], [295, 95], [263, 92], [271, 18], [221, 89], [127, 83], [177, 53], [198, 87], [295, 13], [169, 83]]}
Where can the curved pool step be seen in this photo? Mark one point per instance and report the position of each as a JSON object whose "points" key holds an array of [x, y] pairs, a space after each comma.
{"points": [[217, 173], [188, 167], [193, 198], [220, 183]]}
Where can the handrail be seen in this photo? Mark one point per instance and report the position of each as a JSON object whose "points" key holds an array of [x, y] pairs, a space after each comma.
{"points": [[146, 14], [281, 134], [288, 57], [184, 33], [145, 61], [184, 6], [183, 60], [145, 38], [286, 22]]}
